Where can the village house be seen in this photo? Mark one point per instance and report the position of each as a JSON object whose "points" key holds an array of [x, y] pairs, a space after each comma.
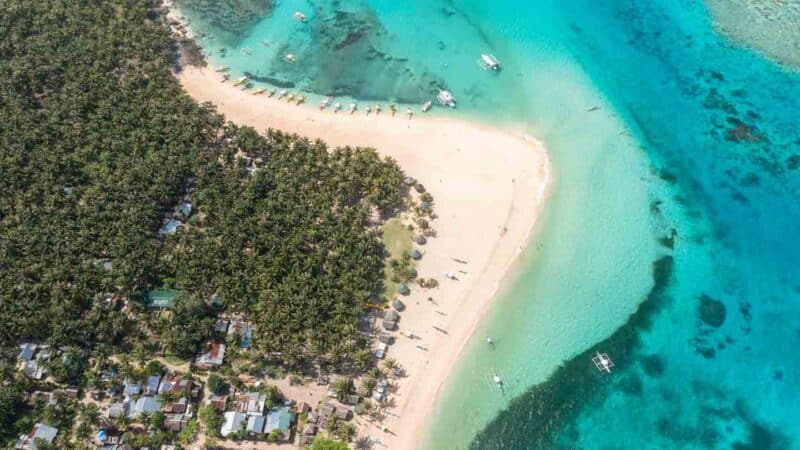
{"points": [[219, 402], [280, 419], [234, 421], [212, 355], [39, 431]]}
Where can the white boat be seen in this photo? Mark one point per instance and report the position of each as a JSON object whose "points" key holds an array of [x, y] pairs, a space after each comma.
{"points": [[272, 92], [290, 98], [498, 380], [299, 16], [353, 107], [489, 62], [603, 362], [369, 110], [446, 98], [325, 102], [222, 69], [426, 106], [241, 81], [283, 93], [409, 112], [290, 58], [337, 107]]}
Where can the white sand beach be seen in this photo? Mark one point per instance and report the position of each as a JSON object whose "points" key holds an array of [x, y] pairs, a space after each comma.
{"points": [[488, 185]]}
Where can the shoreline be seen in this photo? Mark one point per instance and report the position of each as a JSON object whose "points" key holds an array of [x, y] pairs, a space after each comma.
{"points": [[489, 187]]}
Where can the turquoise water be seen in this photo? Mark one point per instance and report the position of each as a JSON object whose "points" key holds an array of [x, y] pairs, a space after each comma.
{"points": [[671, 237]]}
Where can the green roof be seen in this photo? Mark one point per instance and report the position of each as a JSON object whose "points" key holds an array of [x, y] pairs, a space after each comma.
{"points": [[280, 419], [163, 299]]}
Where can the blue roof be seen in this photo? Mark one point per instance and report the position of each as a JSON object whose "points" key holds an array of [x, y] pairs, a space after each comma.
{"points": [[153, 382], [279, 418]]}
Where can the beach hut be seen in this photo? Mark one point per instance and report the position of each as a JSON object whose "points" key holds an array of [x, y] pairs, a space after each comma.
{"points": [[398, 305], [404, 289], [420, 239], [415, 254]]}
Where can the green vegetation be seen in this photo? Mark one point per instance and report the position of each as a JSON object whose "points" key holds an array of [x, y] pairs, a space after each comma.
{"points": [[398, 239], [98, 146], [321, 443]]}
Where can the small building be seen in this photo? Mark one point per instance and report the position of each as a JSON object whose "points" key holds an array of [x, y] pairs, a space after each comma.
{"points": [[251, 403], [185, 209], [39, 431], [389, 324], [243, 329], [212, 356], [177, 407], [169, 226], [255, 425], [342, 414], [131, 388], [234, 421], [280, 419], [221, 326], [153, 382], [161, 299], [145, 404], [312, 417], [218, 402], [26, 351], [380, 352], [309, 429], [175, 422], [33, 369], [326, 409], [118, 409]]}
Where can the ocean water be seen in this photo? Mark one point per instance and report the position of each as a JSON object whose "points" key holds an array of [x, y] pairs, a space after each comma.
{"points": [[671, 240]]}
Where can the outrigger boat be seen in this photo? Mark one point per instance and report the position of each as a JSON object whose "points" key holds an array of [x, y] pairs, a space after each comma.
{"points": [[489, 62], [603, 362], [446, 98], [299, 16], [369, 110], [353, 107], [409, 112], [301, 99], [241, 81], [290, 98], [290, 58], [325, 102], [272, 92], [426, 106], [337, 107], [378, 109], [222, 69], [283, 93], [247, 86], [393, 109]]}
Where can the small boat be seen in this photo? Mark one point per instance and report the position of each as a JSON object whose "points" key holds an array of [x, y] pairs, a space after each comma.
{"points": [[489, 342], [226, 77], [498, 380], [301, 99], [222, 69], [409, 112], [299, 16], [290, 98], [603, 362], [272, 92], [369, 110], [337, 107], [325, 102], [426, 106], [242, 80], [290, 58], [353, 107], [246, 51], [393, 109], [446, 98], [283, 93], [259, 91], [247, 86], [489, 62], [378, 109]]}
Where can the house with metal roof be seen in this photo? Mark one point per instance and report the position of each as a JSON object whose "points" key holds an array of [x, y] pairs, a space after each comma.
{"points": [[39, 431], [280, 419], [234, 421], [161, 299], [144, 405]]}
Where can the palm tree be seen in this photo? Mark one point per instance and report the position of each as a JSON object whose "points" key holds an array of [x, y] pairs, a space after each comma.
{"points": [[341, 388], [390, 364]]}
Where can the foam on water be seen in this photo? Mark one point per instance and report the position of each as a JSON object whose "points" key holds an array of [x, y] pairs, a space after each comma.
{"points": [[677, 167]]}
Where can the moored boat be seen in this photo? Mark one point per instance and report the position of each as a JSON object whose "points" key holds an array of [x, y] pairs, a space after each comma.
{"points": [[446, 98], [241, 81], [489, 62], [426, 106], [325, 102], [299, 16], [222, 69]]}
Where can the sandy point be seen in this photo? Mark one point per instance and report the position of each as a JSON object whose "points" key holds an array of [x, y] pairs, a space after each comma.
{"points": [[489, 186]]}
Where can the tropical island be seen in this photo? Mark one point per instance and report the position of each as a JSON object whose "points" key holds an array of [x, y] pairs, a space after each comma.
{"points": [[174, 280]]}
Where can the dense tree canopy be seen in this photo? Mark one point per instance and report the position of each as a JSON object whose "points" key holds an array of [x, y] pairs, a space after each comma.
{"points": [[98, 144]]}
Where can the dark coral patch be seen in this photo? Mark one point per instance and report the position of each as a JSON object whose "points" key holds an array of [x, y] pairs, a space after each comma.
{"points": [[712, 311]]}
